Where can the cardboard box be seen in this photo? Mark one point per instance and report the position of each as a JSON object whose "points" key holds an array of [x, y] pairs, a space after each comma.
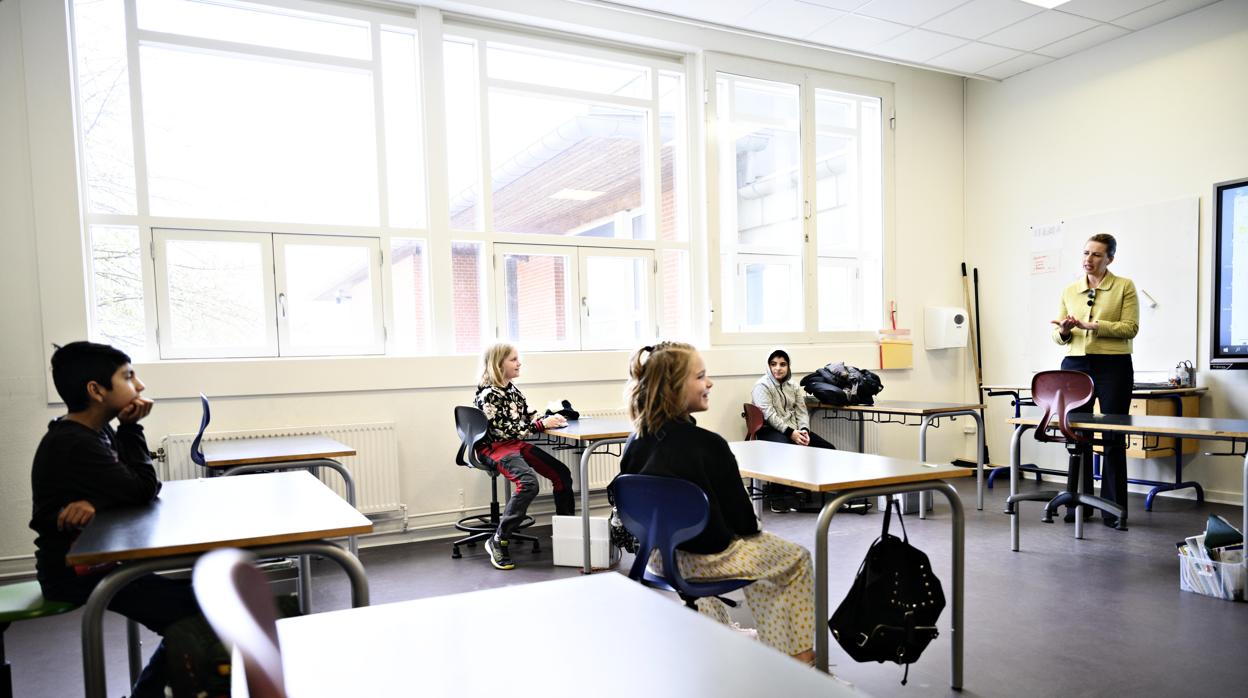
{"points": [[566, 533]]}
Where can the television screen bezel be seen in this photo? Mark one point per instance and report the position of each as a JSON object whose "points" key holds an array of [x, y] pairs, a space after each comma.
{"points": [[1217, 359]]}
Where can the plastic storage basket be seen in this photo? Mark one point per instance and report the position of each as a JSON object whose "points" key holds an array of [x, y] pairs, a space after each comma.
{"points": [[1221, 580]]}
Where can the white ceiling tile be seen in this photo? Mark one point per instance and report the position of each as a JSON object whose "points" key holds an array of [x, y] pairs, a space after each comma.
{"points": [[1014, 66], [1099, 34], [1103, 10], [911, 12], [717, 11], [918, 45], [973, 57], [980, 17], [856, 32], [1160, 12], [840, 4], [1039, 30], [789, 18]]}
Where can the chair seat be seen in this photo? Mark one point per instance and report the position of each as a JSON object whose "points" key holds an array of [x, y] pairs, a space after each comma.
{"points": [[717, 588], [24, 601]]}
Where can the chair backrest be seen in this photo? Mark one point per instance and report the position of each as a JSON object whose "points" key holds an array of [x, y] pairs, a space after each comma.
{"points": [[1058, 393], [754, 420], [472, 426], [238, 603], [197, 452], [662, 512]]}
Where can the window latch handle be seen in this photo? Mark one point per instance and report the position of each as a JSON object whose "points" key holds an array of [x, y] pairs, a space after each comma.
{"points": [[281, 305]]}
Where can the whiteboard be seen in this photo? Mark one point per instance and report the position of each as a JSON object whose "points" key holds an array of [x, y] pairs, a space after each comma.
{"points": [[1158, 247]]}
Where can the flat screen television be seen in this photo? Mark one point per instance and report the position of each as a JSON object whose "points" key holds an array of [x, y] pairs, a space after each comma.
{"points": [[1229, 348]]}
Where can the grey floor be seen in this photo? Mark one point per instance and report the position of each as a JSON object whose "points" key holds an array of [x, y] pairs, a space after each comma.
{"points": [[1099, 617]]}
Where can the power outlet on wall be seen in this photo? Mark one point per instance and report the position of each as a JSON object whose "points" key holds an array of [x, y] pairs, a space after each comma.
{"points": [[461, 499], [968, 429]]}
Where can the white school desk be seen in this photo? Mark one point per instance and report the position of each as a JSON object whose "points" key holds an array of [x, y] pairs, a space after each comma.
{"points": [[1021, 396], [273, 514], [928, 413], [240, 456], [1234, 431], [591, 434], [853, 475], [602, 636]]}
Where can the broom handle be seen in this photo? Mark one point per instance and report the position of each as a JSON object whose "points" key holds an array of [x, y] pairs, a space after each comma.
{"points": [[966, 293]]}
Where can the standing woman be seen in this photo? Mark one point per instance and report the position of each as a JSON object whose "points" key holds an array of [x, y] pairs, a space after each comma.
{"points": [[519, 461], [1098, 317], [667, 383]]}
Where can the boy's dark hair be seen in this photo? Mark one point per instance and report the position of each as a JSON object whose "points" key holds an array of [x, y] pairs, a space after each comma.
{"points": [[78, 363]]}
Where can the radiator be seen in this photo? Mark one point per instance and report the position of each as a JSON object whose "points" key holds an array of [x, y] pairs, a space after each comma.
{"points": [[843, 433], [375, 468], [603, 466]]}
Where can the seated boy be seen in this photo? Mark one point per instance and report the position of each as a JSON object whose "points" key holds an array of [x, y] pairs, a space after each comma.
{"points": [[82, 466]]}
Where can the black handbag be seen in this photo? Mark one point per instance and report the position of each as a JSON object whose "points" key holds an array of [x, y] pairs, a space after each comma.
{"points": [[891, 610]]}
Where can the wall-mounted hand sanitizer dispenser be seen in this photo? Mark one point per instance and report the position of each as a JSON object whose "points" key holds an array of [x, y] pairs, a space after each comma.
{"points": [[946, 327]]}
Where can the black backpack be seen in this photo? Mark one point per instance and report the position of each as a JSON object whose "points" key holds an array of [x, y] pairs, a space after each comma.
{"points": [[890, 612]]}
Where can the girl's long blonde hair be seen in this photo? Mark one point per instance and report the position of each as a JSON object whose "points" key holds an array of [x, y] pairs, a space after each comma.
{"points": [[492, 364], [656, 379]]}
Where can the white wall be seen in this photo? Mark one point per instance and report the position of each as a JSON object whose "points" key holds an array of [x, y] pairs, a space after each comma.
{"points": [[929, 221], [1151, 117]]}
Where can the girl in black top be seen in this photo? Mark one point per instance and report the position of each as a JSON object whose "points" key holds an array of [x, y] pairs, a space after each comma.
{"points": [[668, 383]]}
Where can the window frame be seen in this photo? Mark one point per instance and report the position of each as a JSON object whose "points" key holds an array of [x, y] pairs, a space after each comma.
{"points": [[576, 308], [437, 237], [380, 21], [161, 237], [372, 246], [808, 81]]}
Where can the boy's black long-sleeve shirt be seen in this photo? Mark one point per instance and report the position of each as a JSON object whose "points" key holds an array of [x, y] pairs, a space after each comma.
{"points": [[686, 451], [74, 462]]}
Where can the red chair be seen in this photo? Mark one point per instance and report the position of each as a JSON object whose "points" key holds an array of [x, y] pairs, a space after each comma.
{"points": [[754, 420], [1058, 393]]}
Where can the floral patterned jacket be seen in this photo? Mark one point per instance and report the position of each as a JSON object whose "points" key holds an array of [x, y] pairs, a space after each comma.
{"points": [[509, 415]]}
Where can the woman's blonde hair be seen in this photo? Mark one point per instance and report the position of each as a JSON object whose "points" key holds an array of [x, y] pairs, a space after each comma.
{"points": [[492, 364], [656, 379]]}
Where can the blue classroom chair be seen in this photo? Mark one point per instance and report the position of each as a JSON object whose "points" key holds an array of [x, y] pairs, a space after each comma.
{"points": [[663, 512]]}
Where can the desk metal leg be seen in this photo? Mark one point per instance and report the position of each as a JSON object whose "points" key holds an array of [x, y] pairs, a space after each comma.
{"points": [[923, 425], [1016, 447], [587, 567], [757, 485], [980, 449], [134, 650], [958, 554], [94, 679]]}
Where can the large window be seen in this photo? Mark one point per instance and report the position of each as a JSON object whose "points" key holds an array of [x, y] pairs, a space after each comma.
{"points": [[797, 163], [256, 174], [571, 160]]}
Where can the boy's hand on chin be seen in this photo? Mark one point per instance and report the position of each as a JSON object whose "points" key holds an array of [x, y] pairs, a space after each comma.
{"points": [[135, 411]]}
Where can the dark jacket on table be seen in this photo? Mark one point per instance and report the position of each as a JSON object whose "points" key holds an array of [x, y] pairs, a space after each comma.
{"points": [[686, 451], [107, 468]]}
